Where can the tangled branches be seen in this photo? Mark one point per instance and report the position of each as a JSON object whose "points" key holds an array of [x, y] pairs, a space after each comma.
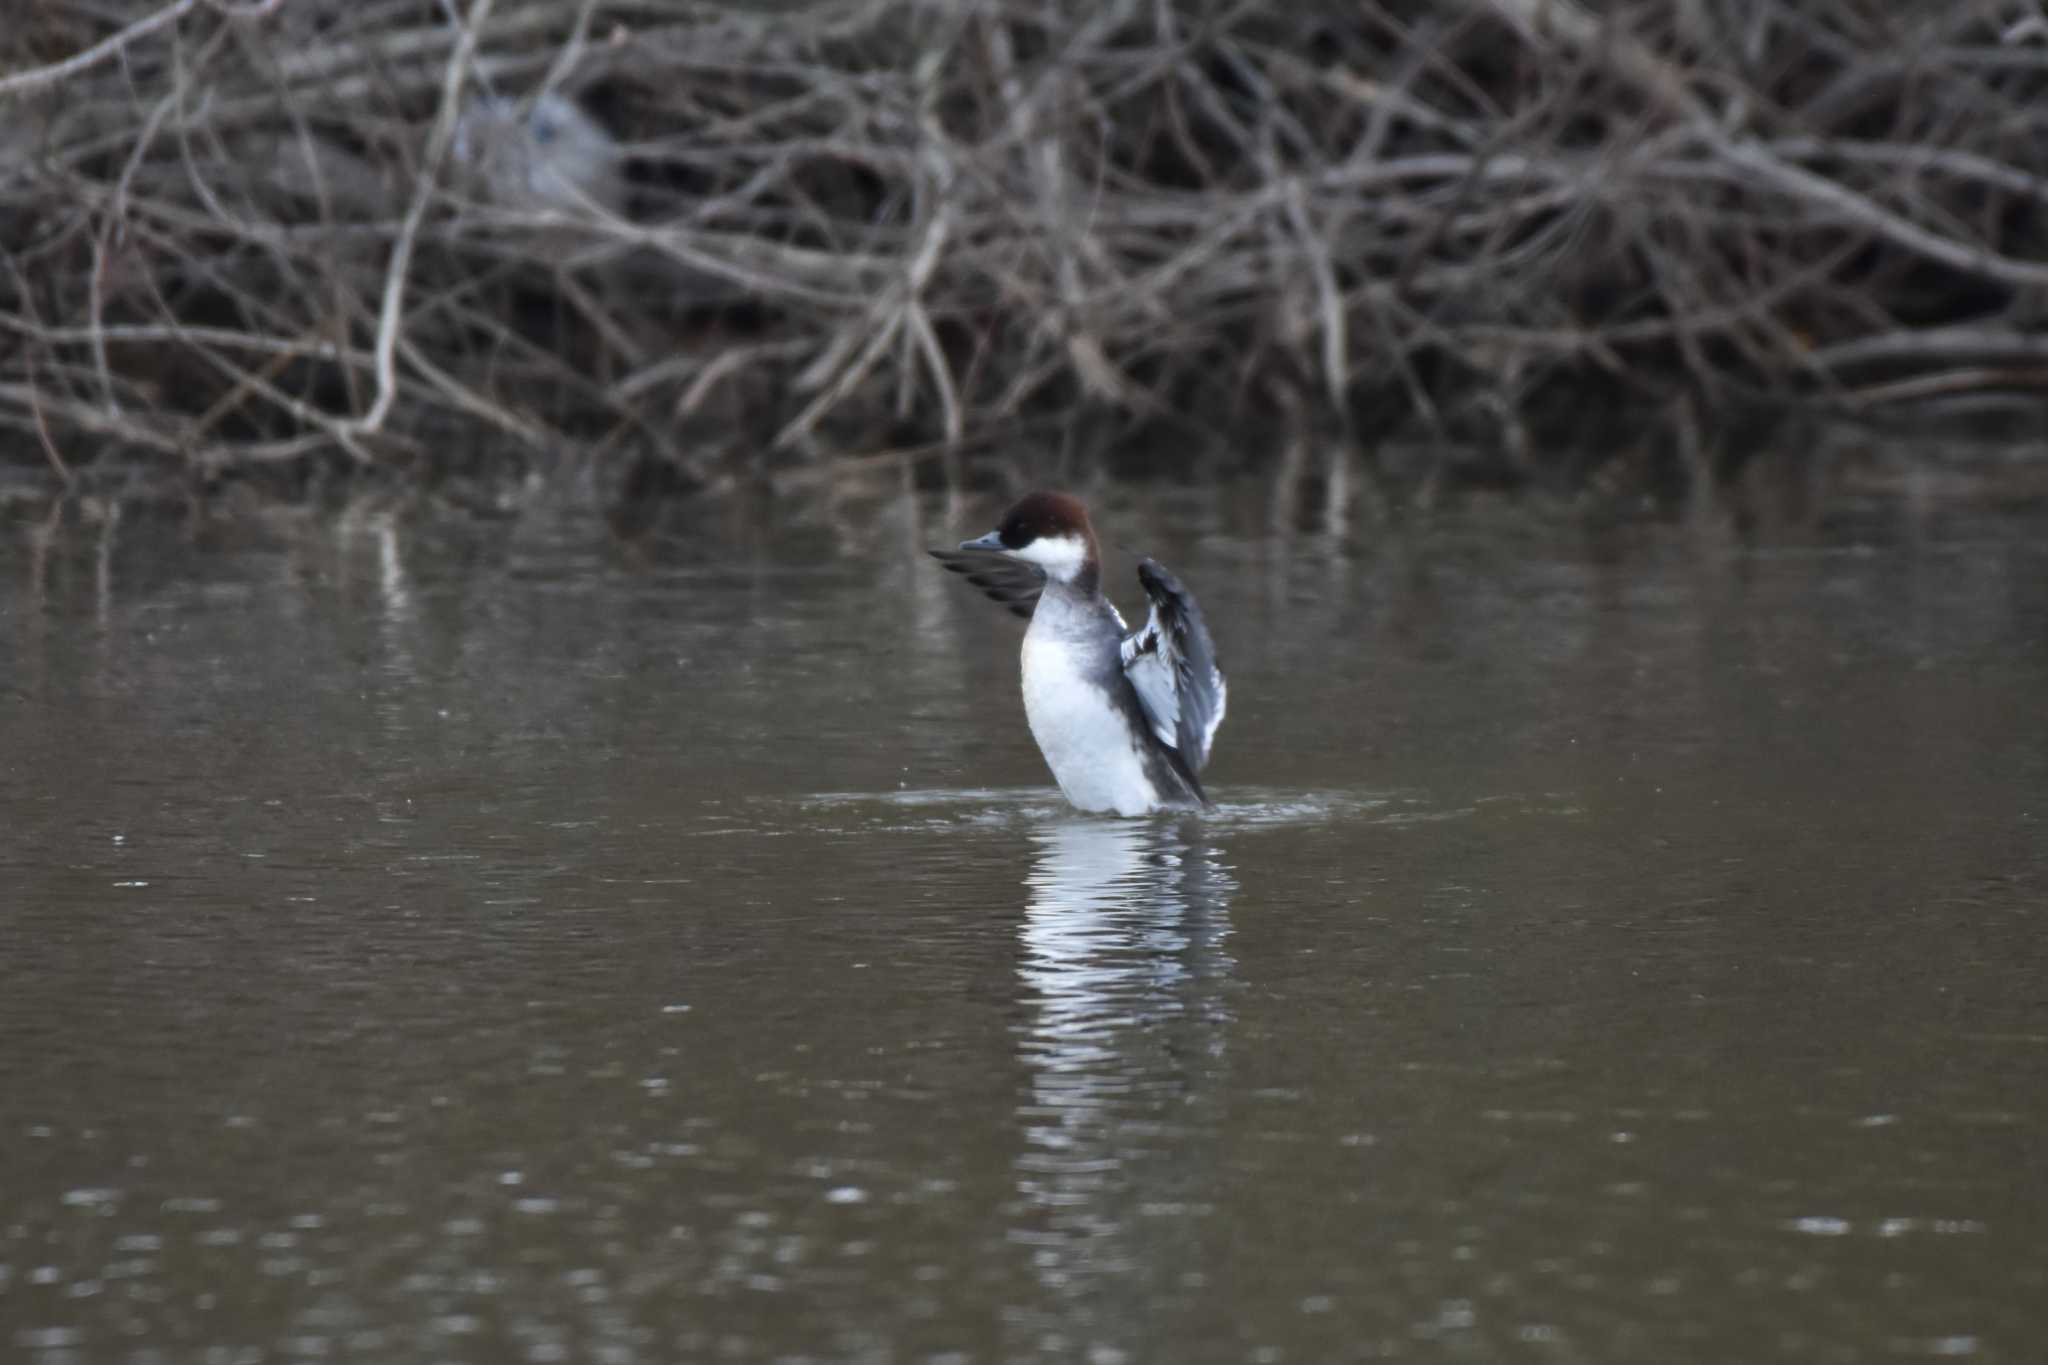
{"points": [[245, 232]]}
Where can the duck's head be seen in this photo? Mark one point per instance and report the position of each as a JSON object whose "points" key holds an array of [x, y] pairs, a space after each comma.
{"points": [[1050, 530]]}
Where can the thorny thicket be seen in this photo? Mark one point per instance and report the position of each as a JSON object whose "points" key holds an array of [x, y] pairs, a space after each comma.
{"points": [[281, 233]]}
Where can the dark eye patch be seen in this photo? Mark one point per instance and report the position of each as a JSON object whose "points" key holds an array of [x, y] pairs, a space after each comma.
{"points": [[1017, 531]]}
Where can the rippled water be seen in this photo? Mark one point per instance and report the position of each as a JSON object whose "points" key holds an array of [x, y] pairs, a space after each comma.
{"points": [[424, 940]]}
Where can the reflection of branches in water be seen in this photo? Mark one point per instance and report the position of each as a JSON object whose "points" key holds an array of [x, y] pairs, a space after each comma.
{"points": [[225, 244], [1124, 957]]}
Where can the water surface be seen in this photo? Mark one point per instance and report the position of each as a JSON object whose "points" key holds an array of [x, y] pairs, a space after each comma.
{"points": [[428, 940]]}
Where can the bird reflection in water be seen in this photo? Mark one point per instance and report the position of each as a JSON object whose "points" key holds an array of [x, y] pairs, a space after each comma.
{"points": [[1126, 974]]}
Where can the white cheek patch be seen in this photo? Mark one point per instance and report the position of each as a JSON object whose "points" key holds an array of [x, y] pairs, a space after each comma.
{"points": [[1060, 556]]}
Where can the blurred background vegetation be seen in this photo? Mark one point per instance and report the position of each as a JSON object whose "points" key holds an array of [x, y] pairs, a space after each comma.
{"points": [[675, 247]]}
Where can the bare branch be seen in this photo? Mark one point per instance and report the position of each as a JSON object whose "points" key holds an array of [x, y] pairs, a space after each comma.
{"points": [[391, 314], [23, 82]]}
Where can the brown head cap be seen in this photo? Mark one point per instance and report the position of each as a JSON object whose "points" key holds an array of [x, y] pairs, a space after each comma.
{"points": [[1045, 514]]}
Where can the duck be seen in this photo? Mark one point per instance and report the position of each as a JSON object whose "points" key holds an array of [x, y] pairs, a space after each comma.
{"points": [[1124, 718]]}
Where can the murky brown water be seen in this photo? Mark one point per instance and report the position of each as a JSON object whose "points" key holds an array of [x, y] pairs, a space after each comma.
{"points": [[427, 941]]}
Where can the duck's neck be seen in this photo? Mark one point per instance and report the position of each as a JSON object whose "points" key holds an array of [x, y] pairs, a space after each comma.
{"points": [[1083, 584]]}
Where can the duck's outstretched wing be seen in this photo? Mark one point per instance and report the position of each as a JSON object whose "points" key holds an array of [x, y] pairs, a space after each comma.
{"points": [[1011, 582], [1171, 661]]}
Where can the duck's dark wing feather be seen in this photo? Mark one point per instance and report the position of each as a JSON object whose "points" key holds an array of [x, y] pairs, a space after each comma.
{"points": [[1171, 661], [1011, 582]]}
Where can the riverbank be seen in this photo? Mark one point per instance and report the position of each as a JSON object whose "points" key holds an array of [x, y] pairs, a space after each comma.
{"points": [[691, 248]]}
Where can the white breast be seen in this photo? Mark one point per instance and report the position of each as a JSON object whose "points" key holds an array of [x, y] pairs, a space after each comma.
{"points": [[1092, 752]]}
